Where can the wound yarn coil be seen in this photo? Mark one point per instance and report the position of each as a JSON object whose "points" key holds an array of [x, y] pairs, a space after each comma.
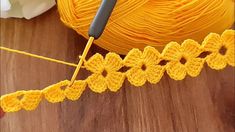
{"points": [[141, 23]]}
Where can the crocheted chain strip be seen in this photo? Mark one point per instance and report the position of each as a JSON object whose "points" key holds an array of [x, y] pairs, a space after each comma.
{"points": [[147, 66]]}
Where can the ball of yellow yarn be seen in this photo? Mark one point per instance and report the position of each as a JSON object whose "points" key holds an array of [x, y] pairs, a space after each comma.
{"points": [[139, 23]]}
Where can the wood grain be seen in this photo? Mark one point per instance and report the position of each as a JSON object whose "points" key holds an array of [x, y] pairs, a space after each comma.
{"points": [[202, 104]]}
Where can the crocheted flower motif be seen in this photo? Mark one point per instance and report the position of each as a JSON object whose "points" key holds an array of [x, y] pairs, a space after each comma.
{"points": [[144, 66], [27, 100], [105, 72], [221, 48], [54, 93], [182, 59]]}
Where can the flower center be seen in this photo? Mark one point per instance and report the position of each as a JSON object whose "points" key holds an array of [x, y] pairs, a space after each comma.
{"points": [[20, 97], [223, 50], [183, 60], [63, 87], [104, 73], [143, 67]]}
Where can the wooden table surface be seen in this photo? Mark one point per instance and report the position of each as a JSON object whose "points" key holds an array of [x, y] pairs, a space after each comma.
{"points": [[202, 104]]}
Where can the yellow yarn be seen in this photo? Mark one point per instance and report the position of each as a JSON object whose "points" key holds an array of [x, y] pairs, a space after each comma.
{"points": [[141, 23], [38, 56], [143, 67]]}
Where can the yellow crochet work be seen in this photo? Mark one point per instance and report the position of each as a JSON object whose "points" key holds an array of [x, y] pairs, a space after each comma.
{"points": [[147, 66]]}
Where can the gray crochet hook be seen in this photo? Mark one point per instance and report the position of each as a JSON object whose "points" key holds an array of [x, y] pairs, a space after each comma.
{"points": [[96, 29], [98, 25]]}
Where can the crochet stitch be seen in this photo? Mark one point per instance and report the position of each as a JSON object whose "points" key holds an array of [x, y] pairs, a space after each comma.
{"points": [[146, 66]]}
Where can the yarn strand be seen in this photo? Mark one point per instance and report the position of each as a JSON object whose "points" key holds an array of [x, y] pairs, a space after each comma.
{"points": [[38, 56]]}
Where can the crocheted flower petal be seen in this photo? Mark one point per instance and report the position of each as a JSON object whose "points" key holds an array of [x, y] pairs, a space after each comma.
{"points": [[54, 93], [212, 42], [95, 64], [115, 80], [155, 73], [191, 48], [230, 56], [228, 37], [194, 66], [216, 61], [31, 99], [75, 91], [151, 55], [97, 83], [172, 51], [11, 102], [132, 58], [136, 76], [113, 62], [229, 40], [176, 70]]}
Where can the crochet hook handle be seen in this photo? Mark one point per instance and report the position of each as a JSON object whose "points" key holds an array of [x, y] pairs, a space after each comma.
{"points": [[102, 16]]}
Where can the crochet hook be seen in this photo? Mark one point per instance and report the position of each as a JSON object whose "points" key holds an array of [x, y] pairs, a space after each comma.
{"points": [[96, 29]]}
